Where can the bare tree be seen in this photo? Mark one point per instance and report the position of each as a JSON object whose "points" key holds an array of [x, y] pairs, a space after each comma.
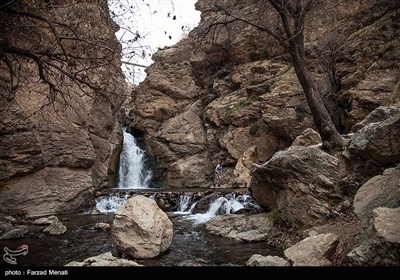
{"points": [[290, 35], [69, 58]]}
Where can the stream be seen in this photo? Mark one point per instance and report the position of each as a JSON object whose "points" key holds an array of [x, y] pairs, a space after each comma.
{"points": [[191, 244]]}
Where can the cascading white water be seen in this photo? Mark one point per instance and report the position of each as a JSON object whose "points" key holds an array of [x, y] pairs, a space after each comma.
{"points": [[184, 201], [132, 174], [110, 204], [221, 206]]}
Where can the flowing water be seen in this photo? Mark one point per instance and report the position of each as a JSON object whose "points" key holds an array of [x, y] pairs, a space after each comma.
{"points": [[191, 243], [132, 174]]}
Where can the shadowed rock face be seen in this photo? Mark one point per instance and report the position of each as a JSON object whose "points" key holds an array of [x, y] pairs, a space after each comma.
{"points": [[236, 88], [380, 242], [378, 141], [380, 191], [302, 182], [53, 157]]}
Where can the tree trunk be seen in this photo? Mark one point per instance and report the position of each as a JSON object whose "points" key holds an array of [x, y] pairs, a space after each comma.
{"points": [[331, 139], [294, 30]]}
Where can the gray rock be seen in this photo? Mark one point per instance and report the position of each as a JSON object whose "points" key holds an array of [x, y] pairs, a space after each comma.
{"points": [[309, 137], [5, 226], [10, 219], [14, 232], [301, 182], [103, 226], [45, 221], [105, 259], [259, 260], [141, 229], [313, 251], [195, 262], [378, 115], [380, 191], [380, 242], [203, 204], [56, 228], [378, 142], [241, 227]]}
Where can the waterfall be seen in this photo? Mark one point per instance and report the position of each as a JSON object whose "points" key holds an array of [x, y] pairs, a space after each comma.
{"points": [[132, 174]]}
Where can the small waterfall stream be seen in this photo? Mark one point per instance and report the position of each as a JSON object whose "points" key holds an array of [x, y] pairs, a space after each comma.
{"points": [[189, 211], [132, 174]]}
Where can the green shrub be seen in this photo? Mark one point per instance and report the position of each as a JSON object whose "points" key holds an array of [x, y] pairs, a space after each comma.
{"points": [[253, 130], [275, 216], [241, 104]]}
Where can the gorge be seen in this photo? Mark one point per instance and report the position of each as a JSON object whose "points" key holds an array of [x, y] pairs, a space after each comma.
{"points": [[228, 92]]}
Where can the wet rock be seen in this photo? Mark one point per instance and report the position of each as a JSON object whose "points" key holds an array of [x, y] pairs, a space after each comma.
{"points": [[45, 221], [203, 204], [380, 242], [103, 226], [241, 227], [313, 251], [141, 229], [195, 262], [105, 259], [309, 137], [380, 191], [10, 219], [14, 232], [56, 228], [345, 205], [378, 141], [260, 260], [163, 204], [95, 212], [4, 226], [301, 182]]}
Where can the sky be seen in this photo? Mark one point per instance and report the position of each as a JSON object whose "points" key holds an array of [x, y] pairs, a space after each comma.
{"points": [[147, 25]]}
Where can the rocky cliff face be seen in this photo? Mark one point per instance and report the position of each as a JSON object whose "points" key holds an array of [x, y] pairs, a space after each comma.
{"points": [[53, 157], [226, 89]]}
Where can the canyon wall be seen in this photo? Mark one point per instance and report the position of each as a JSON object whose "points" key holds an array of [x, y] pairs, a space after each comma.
{"points": [[57, 147], [229, 91]]}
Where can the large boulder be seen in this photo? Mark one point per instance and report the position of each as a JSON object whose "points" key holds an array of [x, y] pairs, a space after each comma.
{"points": [[378, 141], [302, 182], [141, 229], [380, 191], [380, 243], [313, 251], [242, 227]]}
